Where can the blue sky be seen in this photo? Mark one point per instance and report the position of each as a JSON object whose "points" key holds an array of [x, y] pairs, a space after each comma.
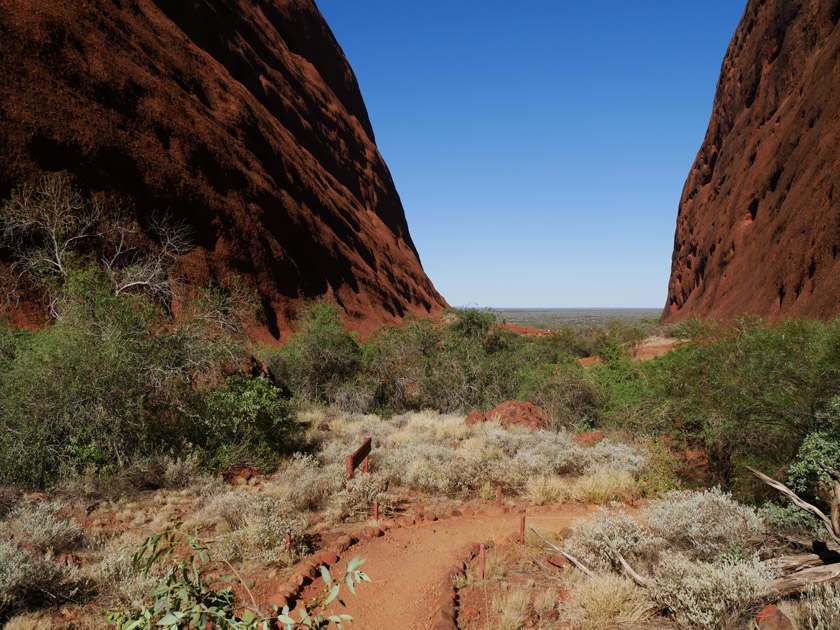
{"points": [[539, 147]]}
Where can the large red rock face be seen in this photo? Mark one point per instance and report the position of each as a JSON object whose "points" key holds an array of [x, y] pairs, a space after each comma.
{"points": [[242, 117], [758, 229]]}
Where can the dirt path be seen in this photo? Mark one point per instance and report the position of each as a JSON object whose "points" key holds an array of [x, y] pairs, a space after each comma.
{"points": [[407, 564]]}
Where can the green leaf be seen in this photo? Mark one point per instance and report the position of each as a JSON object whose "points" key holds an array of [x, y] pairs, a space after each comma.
{"points": [[325, 575], [333, 594]]}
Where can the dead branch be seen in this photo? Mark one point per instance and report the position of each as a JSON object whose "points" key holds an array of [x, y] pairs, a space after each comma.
{"points": [[794, 562], [568, 557], [797, 582], [638, 579], [543, 568], [800, 503]]}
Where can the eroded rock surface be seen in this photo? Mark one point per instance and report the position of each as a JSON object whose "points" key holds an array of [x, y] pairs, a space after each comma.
{"points": [[242, 117], [758, 229]]}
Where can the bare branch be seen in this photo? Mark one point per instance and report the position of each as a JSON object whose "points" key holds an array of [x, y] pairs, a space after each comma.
{"points": [[800, 503], [543, 568], [638, 579], [568, 557]]}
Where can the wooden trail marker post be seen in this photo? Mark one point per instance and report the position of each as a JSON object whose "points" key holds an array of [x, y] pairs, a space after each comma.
{"points": [[522, 530], [481, 562], [360, 456], [498, 496], [376, 510]]}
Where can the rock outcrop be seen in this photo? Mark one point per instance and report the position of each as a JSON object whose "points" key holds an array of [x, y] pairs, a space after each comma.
{"points": [[758, 229], [241, 117]]}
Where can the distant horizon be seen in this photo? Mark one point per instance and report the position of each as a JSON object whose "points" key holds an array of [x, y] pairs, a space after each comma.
{"points": [[562, 308]]}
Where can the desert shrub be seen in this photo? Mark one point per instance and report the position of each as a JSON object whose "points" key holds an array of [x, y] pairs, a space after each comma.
{"points": [[663, 470], [805, 476], [608, 600], [245, 422], [544, 490], [8, 499], [181, 472], [39, 524], [105, 383], [321, 355], [638, 545], [709, 595], [748, 392], [27, 579], [115, 575], [616, 456], [603, 486], [820, 607], [30, 621], [357, 499], [789, 519], [709, 523], [308, 485]]}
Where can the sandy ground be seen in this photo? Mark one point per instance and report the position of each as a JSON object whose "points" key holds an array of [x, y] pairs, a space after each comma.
{"points": [[407, 564]]}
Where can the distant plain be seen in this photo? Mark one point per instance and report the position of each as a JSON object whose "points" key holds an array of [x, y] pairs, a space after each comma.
{"points": [[551, 318]]}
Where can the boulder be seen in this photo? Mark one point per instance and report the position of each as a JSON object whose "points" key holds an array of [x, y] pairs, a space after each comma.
{"points": [[771, 618], [522, 414]]}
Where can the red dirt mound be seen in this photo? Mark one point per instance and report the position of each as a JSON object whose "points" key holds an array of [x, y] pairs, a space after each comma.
{"points": [[758, 229], [242, 118]]}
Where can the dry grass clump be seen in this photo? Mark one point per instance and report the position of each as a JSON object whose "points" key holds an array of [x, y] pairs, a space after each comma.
{"points": [[616, 456], [546, 490], [608, 601], [709, 523], [39, 524], [306, 484], [545, 600], [257, 524], [116, 577], [510, 608], [706, 595], [634, 542], [603, 486]]}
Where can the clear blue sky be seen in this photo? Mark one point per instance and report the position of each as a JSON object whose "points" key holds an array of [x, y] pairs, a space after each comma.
{"points": [[539, 147]]}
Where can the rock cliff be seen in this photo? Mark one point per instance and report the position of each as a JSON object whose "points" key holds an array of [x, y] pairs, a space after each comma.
{"points": [[241, 117], [758, 228]]}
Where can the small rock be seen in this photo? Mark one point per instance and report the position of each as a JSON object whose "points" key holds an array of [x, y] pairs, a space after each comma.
{"points": [[468, 512], [429, 516], [590, 438], [278, 600], [771, 618], [405, 521], [469, 613], [455, 513], [328, 558]]}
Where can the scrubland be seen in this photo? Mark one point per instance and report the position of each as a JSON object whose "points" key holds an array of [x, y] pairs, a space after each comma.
{"points": [[123, 415]]}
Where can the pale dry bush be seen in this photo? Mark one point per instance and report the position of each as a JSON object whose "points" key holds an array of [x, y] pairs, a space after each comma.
{"points": [[28, 578], [634, 542], [607, 601], [616, 456], [114, 574], [707, 595], [39, 524], [708, 523], [362, 491], [306, 484], [28, 622], [820, 607], [603, 486], [510, 608], [547, 490]]}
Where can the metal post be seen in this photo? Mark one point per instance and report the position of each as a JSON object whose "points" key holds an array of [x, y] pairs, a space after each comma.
{"points": [[376, 510], [366, 465], [498, 496], [481, 563], [349, 467], [522, 530]]}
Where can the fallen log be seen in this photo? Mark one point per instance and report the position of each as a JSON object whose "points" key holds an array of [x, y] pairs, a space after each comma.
{"points": [[794, 562], [638, 579], [568, 557], [799, 581]]}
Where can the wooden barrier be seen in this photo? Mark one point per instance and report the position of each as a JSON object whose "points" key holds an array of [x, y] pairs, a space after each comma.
{"points": [[357, 458]]}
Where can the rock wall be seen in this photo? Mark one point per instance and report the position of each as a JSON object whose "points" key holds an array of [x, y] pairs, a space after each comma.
{"points": [[241, 117], [758, 228]]}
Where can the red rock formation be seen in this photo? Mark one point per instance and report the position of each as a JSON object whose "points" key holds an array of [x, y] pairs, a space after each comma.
{"points": [[241, 116], [758, 229], [519, 413]]}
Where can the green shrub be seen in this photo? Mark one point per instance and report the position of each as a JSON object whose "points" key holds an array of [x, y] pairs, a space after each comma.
{"points": [[26, 578], [320, 356], [246, 422]]}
